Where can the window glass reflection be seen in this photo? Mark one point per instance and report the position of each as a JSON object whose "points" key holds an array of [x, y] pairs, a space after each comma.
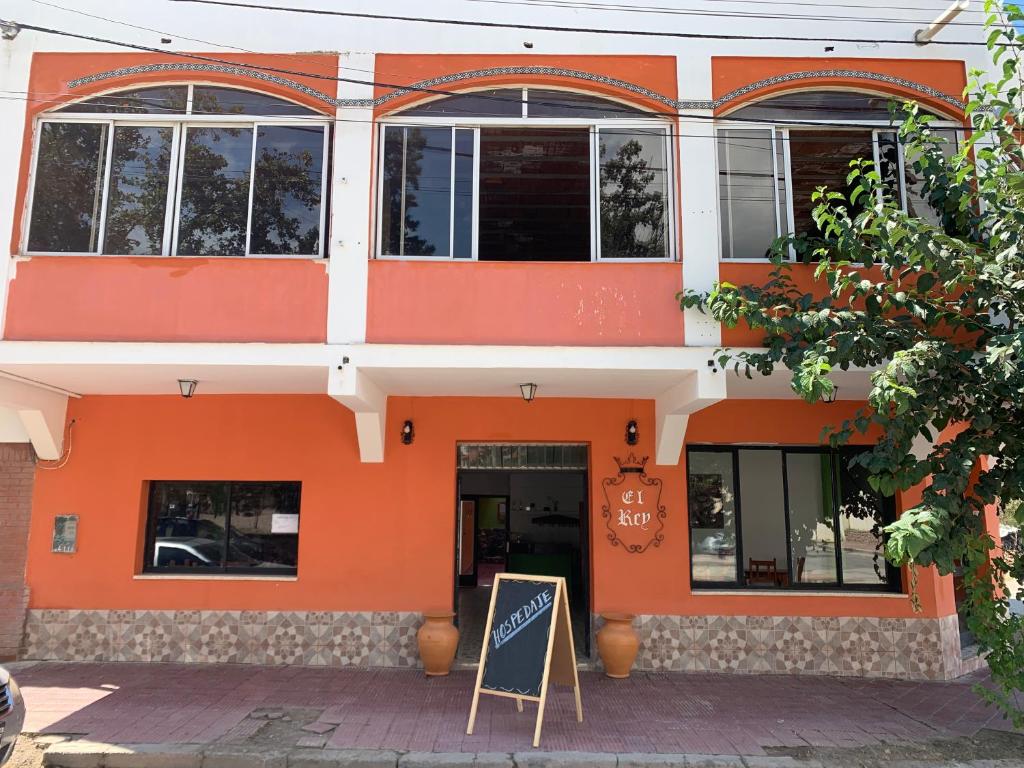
{"points": [[747, 192], [811, 523], [208, 99], [163, 99], [67, 201], [765, 551], [137, 199], [417, 191], [711, 493], [634, 194], [861, 517], [215, 192], [287, 190], [220, 526]]}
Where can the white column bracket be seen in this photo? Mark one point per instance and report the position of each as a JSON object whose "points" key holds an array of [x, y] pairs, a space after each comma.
{"points": [[42, 414], [672, 410], [353, 389]]}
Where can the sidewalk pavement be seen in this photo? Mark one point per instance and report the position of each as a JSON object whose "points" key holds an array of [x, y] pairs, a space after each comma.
{"points": [[187, 716]]}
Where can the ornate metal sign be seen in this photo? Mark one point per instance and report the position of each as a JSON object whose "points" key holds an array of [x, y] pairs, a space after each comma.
{"points": [[632, 510]]}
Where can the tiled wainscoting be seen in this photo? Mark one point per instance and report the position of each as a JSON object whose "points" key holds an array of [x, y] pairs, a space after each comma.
{"points": [[927, 649], [377, 639], [917, 649]]}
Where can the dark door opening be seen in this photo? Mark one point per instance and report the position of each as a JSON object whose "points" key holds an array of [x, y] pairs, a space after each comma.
{"points": [[529, 521]]}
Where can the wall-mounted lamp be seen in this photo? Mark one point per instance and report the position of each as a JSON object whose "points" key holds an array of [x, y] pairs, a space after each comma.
{"points": [[187, 387], [632, 433], [408, 432], [529, 391], [831, 397]]}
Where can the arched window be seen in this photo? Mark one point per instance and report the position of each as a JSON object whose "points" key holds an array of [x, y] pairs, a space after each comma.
{"points": [[525, 174], [180, 170], [773, 155]]}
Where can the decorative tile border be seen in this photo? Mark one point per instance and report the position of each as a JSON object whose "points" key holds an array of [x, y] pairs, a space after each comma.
{"points": [[224, 69], [571, 74], [915, 649], [361, 639]]}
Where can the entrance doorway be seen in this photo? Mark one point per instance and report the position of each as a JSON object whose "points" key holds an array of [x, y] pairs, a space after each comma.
{"points": [[522, 508]]}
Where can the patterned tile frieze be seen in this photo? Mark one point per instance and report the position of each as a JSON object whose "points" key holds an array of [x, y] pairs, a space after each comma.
{"points": [[436, 84], [918, 649], [324, 638]]}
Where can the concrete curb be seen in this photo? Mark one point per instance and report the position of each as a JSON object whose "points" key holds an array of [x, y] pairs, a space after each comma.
{"points": [[87, 754]]}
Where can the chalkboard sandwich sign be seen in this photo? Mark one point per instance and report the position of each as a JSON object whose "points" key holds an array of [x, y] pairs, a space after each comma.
{"points": [[528, 644]]}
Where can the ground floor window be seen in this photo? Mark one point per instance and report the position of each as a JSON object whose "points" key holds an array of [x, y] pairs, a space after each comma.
{"points": [[223, 527], [781, 518]]}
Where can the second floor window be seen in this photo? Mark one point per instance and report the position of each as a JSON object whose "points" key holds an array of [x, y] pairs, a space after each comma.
{"points": [[180, 171], [525, 175], [771, 163]]}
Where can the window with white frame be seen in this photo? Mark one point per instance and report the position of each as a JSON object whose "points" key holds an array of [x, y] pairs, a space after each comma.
{"points": [[777, 152], [179, 170], [525, 174]]}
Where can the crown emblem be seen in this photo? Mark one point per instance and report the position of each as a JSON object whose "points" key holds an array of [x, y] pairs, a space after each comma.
{"points": [[632, 463]]}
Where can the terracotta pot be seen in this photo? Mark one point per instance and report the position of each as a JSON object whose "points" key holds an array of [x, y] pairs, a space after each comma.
{"points": [[617, 643], [437, 639]]}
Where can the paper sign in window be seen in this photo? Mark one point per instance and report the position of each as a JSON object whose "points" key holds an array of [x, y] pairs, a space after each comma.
{"points": [[284, 523]]}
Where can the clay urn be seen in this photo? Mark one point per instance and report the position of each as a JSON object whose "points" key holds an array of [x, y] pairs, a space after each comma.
{"points": [[617, 644], [437, 639]]}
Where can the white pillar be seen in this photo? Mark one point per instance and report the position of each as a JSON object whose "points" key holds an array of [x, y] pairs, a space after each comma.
{"points": [[15, 62], [698, 192], [351, 211]]}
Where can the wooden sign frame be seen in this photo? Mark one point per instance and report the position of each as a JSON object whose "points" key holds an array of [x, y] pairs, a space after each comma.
{"points": [[559, 660]]}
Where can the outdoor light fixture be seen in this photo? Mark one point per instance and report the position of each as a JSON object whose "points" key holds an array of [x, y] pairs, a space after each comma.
{"points": [[632, 434], [408, 433], [529, 391], [187, 387], [831, 397]]}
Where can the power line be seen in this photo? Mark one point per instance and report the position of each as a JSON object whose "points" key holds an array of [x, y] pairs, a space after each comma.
{"points": [[578, 30], [662, 10], [320, 76], [775, 3]]}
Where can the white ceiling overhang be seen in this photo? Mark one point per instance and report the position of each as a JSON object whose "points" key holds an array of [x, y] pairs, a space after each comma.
{"points": [[361, 376]]}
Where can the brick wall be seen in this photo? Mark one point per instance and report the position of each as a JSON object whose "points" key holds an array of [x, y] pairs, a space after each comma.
{"points": [[17, 470]]}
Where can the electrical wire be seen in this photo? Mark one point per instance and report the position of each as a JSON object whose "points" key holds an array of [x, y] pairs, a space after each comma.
{"points": [[616, 8], [577, 30], [315, 75]]}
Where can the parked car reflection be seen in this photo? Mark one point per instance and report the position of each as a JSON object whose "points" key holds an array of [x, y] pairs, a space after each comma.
{"points": [[196, 552]]}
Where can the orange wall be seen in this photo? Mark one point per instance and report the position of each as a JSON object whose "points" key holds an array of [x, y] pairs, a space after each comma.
{"points": [[102, 298], [375, 536], [534, 303]]}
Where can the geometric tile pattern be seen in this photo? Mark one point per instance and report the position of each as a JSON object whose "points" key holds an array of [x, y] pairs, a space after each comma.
{"points": [[911, 649], [314, 638]]}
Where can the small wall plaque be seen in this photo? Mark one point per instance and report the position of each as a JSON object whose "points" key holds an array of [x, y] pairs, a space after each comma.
{"points": [[65, 533]]}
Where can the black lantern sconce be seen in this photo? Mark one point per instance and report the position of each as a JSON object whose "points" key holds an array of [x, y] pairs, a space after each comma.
{"points": [[632, 432], [528, 391], [187, 387], [408, 433], [831, 396]]}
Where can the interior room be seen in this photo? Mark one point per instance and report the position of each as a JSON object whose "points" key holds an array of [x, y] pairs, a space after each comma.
{"points": [[519, 521]]}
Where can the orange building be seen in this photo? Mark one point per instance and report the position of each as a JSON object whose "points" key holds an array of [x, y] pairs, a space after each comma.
{"points": [[308, 344]]}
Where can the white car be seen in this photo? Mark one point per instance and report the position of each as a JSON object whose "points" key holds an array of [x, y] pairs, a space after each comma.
{"points": [[12, 714]]}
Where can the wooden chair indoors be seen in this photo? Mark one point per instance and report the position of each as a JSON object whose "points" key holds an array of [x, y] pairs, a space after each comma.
{"points": [[763, 572]]}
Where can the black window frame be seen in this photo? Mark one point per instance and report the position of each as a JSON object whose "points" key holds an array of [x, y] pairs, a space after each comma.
{"points": [[894, 576], [149, 544]]}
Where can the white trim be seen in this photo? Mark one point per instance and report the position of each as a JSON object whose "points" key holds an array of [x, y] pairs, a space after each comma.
{"points": [[252, 185], [104, 190], [170, 203]]}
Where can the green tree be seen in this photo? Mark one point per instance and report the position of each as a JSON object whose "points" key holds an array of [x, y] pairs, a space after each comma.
{"points": [[935, 312]]}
